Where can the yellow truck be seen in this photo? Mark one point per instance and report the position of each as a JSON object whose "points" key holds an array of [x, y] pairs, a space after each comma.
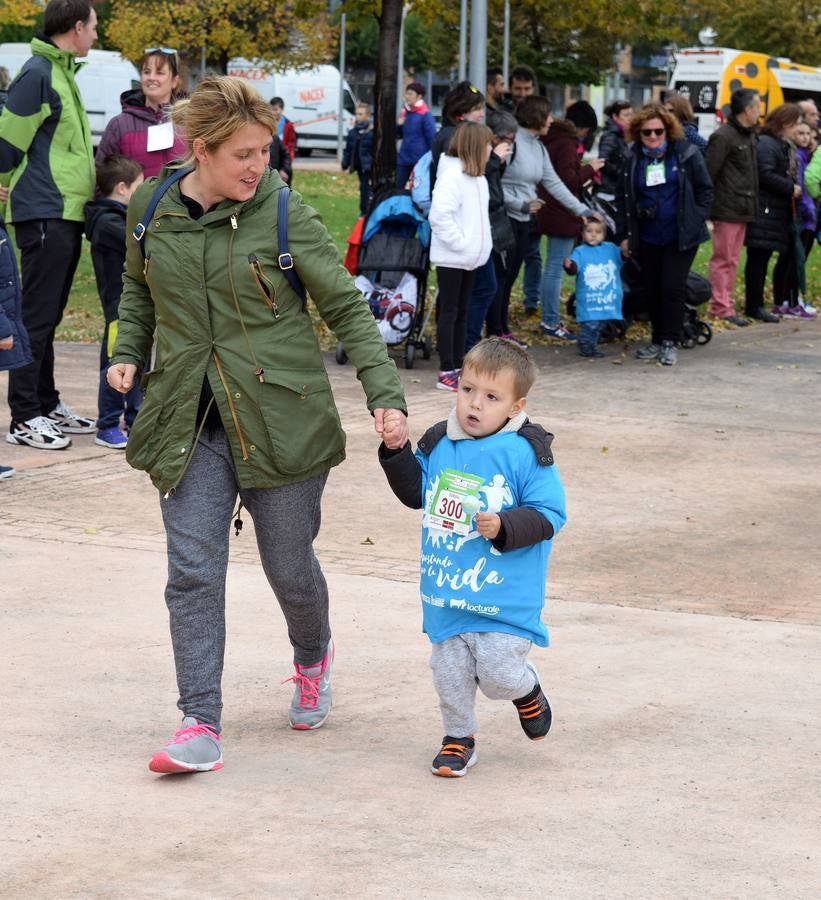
{"points": [[707, 76]]}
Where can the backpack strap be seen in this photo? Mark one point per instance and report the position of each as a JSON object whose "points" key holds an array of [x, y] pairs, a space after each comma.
{"points": [[285, 260], [141, 227]]}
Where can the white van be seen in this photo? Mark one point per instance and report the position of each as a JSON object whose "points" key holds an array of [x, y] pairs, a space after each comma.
{"points": [[101, 80], [311, 100]]}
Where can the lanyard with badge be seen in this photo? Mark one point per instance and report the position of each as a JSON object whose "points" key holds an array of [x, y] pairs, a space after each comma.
{"points": [[655, 174]]}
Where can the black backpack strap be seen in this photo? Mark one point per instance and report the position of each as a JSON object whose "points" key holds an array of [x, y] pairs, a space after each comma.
{"points": [[285, 260], [141, 227]]}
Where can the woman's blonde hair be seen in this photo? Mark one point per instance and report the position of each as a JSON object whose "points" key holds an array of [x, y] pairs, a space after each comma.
{"points": [[217, 109], [469, 143]]}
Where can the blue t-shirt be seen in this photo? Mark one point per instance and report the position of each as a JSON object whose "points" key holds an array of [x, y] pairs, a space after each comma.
{"points": [[598, 282], [466, 584]]}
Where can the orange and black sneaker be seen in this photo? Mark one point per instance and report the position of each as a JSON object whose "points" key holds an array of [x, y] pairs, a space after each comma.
{"points": [[455, 758], [535, 714]]}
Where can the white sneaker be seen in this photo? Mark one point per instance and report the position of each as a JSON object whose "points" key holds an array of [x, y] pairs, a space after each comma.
{"points": [[807, 306], [68, 421], [39, 432]]}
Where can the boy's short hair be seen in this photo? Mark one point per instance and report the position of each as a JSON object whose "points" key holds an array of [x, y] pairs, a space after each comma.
{"points": [[114, 169], [277, 101], [363, 105], [494, 354]]}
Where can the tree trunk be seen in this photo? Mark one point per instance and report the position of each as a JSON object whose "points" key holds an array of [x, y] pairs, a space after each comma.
{"points": [[384, 157]]}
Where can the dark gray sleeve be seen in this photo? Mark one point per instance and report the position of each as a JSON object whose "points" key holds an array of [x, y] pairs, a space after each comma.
{"points": [[404, 474], [522, 527]]}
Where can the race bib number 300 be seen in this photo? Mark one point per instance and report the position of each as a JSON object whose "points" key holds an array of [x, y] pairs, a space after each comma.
{"points": [[455, 501]]}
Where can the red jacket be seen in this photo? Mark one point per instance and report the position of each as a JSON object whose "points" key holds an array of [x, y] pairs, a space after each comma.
{"points": [[287, 134], [562, 147]]}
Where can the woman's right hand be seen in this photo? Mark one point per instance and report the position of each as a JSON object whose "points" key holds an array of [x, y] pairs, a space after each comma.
{"points": [[534, 205], [120, 376], [502, 150], [625, 248], [7, 343]]}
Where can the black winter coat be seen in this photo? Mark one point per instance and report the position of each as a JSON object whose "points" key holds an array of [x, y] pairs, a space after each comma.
{"points": [[771, 228], [105, 230], [613, 150], [732, 164], [695, 195], [501, 231]]}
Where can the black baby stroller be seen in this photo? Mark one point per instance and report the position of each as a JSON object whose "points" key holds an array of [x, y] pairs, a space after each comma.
{"points": [[392, 273], [634, 305], [698, 291]]}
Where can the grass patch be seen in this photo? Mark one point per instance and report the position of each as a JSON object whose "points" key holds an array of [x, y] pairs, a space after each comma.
{"points": [[336, 198]]}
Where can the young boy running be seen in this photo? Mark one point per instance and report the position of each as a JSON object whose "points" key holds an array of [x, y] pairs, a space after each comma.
{"points": [[492, 502]]}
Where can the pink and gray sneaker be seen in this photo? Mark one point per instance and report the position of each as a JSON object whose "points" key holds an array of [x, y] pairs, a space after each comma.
{"points": [[194, 748], [311, 702]]}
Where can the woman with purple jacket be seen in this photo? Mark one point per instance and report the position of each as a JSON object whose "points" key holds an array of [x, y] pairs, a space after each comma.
{"points": [[143, 131]]}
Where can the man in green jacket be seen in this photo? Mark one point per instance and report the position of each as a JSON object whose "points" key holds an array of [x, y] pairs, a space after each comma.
{"points": [[47, 164], [731, 162]]}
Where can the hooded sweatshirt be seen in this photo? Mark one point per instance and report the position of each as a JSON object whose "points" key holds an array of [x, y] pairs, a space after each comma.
{"points": [[529, 167], [459, 218], [127, 134]]}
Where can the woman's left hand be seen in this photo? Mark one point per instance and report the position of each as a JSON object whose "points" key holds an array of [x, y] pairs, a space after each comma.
{"points": [[391, 423]]}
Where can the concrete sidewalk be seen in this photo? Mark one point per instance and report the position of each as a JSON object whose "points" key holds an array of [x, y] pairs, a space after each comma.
{"points": [[684, 611]]}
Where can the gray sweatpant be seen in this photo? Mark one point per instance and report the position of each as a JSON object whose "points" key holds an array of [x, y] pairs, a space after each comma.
{"points": [[494, 661], [197, 520]]}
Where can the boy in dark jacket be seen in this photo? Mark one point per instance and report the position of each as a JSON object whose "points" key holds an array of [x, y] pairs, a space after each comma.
{"points": [[117, 179], [358, 155], [15, 349]]}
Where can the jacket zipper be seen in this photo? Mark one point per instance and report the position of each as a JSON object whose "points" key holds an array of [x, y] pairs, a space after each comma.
{"points": [[264, 284], [231, 408]]}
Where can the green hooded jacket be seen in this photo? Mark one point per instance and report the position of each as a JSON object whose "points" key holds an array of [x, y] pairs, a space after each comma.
{"points": [[46, 155], [213, 302]]}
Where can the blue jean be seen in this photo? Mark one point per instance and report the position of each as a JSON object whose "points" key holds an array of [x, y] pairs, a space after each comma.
{"points": [[588, 335], [558, 248], [112, 404], [533, 271], [484, 290]]}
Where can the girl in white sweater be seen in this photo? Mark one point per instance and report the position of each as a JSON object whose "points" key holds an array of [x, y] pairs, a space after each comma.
{"points": [[460, 242]]}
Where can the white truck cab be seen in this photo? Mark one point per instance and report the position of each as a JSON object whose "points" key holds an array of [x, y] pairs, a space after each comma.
{"points": [[311, 100]]}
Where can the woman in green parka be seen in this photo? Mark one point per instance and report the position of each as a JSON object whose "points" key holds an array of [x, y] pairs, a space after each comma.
{"points": [[237, 400]]}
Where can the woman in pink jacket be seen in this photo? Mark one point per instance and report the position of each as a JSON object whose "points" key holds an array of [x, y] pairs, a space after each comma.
{"points": [[143, 131]]}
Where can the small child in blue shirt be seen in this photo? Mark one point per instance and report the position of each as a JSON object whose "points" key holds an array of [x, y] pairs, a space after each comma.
{"points": [[492, 501], [596, 263]]}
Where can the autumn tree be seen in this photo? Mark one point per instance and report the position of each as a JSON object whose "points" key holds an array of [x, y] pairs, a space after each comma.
{"points": [[290, 34], [18, 19]]}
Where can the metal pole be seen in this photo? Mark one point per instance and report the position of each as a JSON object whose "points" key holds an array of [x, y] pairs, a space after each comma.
{"points": [[340, 125], [463, 38], [506, 46], [478, 43], [400, 73]]}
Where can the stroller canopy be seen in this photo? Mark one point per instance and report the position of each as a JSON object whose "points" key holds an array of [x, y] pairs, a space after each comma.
{"points": [[396, 215]]}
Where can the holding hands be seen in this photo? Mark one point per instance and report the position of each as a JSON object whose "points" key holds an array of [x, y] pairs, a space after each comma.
{"points": [[392, 426]]}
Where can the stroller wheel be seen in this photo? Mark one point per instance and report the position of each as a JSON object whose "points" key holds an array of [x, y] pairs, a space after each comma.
{"points": [[410, 355], [341, 355], [705, 333], [427, 348], [687, 341]]}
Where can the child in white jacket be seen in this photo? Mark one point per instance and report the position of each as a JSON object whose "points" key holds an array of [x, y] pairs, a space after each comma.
{"points": [[460, 242]]}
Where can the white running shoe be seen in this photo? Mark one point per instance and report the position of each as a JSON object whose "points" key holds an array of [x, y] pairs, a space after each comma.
{"points": [[70, 422], [39, 432]]}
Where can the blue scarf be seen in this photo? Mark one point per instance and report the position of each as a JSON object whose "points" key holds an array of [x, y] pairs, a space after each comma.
{"points": [[654, 153]]}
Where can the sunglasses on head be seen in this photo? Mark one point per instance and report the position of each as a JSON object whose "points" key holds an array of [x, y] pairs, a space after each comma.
{"points": [[167, 51], [658, 132]]}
